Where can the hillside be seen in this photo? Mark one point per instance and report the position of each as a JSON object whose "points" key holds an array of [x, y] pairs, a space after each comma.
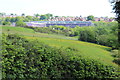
{"points": [[84, 49]]}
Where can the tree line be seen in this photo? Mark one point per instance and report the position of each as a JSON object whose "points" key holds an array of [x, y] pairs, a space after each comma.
{"points": [[19, 20]]}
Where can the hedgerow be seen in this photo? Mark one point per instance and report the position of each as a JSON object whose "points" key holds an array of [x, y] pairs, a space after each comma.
{"points": [[24, 59]]}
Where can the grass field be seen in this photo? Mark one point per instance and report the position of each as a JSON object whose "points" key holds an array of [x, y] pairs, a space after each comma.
{"points": [[84, 49]]}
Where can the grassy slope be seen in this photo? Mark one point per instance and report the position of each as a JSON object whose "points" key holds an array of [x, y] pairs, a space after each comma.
{"points": [[87, 50], [30, 32]]}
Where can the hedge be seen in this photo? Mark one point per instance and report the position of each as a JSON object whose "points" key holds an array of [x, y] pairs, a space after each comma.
{"points": [[24, 59]]}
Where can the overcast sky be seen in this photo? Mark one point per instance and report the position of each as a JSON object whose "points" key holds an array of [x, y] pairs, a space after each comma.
{"points": [[98, 8]]}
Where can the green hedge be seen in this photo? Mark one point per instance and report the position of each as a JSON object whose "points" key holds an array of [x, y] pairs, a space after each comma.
{"points": [[52, 30], [34, 60]]}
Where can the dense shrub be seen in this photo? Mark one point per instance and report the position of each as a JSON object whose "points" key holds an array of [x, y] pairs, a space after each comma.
{"points": [[33, 59], [20, 23], [103, 33], [52, 30], [6, 23], [108, 40], [117, 61], [88, 34], [115, 53]]}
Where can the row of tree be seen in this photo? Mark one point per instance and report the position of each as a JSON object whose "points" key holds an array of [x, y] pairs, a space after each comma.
{"points": [[19, 20]]}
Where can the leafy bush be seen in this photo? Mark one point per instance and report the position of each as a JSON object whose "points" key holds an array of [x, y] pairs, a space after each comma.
{"points": [[52, 30], [103, 33], [88, 34], [20, 23], [34, 60], [6, 23], [117, 61], [108, 40], [115, 53]]}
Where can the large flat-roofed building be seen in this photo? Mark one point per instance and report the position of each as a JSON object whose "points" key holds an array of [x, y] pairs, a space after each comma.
{"points": [[71, 24]]}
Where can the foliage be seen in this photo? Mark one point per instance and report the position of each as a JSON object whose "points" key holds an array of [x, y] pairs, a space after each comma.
{"points": [[102, 33], [88, 34], [49, 15], [20, 23], [7, 19], [2, 14], [22, 14], [30, 32], [115, 53], [90, 17], [36, 15], [34, 60], [108, 40], [52, 30], [6, 23], [43, 17], [13, 20], [88, 50], [116, 8], [117, 61]]}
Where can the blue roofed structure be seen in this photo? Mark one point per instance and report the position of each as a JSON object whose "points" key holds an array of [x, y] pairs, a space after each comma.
{"points": [[71, 24]]}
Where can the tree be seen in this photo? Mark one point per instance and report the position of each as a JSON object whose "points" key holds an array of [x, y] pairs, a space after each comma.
{"points": [[6, 23], [26, 19], [116, 8], [22, 14], [56, 16], [35, 19], [12, 20], [20, 23], [7, 19], [1, 20], [88, 34], [30, 18], [2, 14], [11, 14], [18, 18], [36, 15], [43, 17], [49, 15], [90, 17]]}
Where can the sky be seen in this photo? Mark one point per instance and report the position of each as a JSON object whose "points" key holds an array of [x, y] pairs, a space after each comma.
{"points": [[97, 8]]}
